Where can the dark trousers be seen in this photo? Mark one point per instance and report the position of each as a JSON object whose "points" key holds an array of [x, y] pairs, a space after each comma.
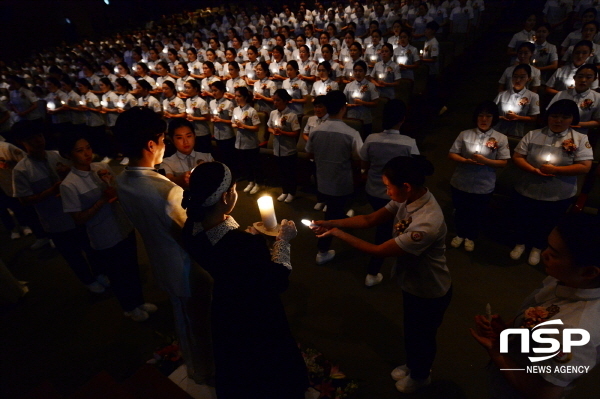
{"points": [[383, 233], [367, 129], [313, 172], [470, 210], [250, 164], [121, 266], [71, 245], [422, 318], [535, 219], [25, 215], [203, 144], [100, 141], [227, 152], [287, 173], [336, 209]]}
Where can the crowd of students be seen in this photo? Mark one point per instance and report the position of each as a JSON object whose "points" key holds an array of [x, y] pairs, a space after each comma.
{"points": [[207, 77]]}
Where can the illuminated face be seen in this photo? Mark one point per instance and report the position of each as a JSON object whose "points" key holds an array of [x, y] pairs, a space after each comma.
{"points": [[581, 54], [588, 32], [584, 79], [359, 73], [559, 123], [519, 80], [167, 90], [524, 55], [140, 71], [206, 70], [122, 71], [398, 194], [541, 34], [403, 39], [303, 54], [484, 121], [386, 53], [189, 89], [239, 99], [82, 153], [320, 110], [291, 71], [260, 72], [218, 94], [232, 71], [354, 52], [279, 103], [184, 139], [191, 56]]}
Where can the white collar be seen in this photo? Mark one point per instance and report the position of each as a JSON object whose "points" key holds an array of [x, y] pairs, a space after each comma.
{"points": [[215, 234]]}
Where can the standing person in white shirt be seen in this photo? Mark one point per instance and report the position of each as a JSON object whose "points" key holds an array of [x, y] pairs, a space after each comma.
{"points": [[524, 56], [57, 107], [146, 99], [526, 35], [361, 95], [461, 20], [563, 78], [407, 55], [198, 112], [587, 100], [419, 245], [334, 145], [153, 204], [178, 166], [545, 57], [221, 110], [386, 73], [312, 124], [295, 88], [375, 153]]}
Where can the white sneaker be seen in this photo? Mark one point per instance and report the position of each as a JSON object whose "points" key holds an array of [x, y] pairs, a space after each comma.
{"points": [[469, 245], [26, 230], [282, 197], [410, 385], [456, 242], [517, 251], [255, 189], [95, 287], [40, 242], [148, 307], [106, 160], [15, 235], [534, 256], [400, 372], [371, 280], [324, 257], [350, 213], [137, 314], [124, 161], [325, 208], [249, 187], [319, 206], [103, 279], [289, 198]]}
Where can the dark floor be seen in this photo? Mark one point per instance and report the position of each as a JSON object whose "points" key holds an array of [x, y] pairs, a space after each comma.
{"points": [[62, 333]]}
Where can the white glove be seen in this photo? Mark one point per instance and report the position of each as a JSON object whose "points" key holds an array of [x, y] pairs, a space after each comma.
{"points": [[288, 230]]}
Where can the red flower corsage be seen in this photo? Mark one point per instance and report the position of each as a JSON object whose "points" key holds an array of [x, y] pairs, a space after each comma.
{"points": [[586, 104], [538, 314], [523, 101], [364, 89], [569, 146], [402, 225], [492, 144]]}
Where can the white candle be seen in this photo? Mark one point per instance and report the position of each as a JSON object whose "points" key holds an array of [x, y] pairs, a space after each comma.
{"points": [[346, 59], [351, 74], [81, 103], [116, 70], [120, 104], [373, 58], [381, 75], [104, 103], [165, 50], [62, 103], [570, 83], [51, 106], [251, 75], [189, 111], [265, 47], [402, 59], [215, 112], [478, 148], [308, 223], [151, 67], [245, 48], [144, 60], [356, 94], [548, 158], [267, 212], [179, 87], [421, 52], [321, 59]]}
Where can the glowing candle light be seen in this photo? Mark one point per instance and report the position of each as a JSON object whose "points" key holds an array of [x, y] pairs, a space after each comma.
{"points": [[189, 111], [180, 87], [116, 70], [307, 223], [356, 94], [402, 59], [373, 58], [120, 104], [290, 91], [346, 59], [381, 75], [51, 106], [81, 103], [548, 158], [165, 50], [478, 148], [104, 103], [144, 60], [321, 59], [267, 212], [421, 52], [265, 47], [351, 74]]}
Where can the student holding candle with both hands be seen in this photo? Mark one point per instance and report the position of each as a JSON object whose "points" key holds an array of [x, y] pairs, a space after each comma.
{"points": [[550, 158]]}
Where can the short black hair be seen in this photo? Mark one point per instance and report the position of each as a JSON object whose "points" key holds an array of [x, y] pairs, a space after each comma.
{"points": [[564, 107], [335, 100], [25, 130], [411, 170], [176, 123], [136, 127], [394, 111], [487, 106]]}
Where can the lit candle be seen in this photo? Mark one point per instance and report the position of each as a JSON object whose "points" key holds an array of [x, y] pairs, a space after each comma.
{"points": [[51, 106], [189, 111], [351, 74], [265, 47], [245, 48], [165, 50], [478, 148], [267, 212], [120, 104], [321, 59], [346, 59], [215, 112], [356, 94], [104, 103], [250, 75], [570, 83], [290, 91], [421, 52], [402, 59], [373, 58], [116, 70], [381, 75], [179, 87], [548, 158], [81, 103], [151, 67], [62, 103], [144, 60], [308, 223]]}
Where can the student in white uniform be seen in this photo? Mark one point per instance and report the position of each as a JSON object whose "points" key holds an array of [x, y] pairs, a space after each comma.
{"points": [[333, 145], [550, 158], [90, 106], [477, 153], [526, 35], [173, 106], [407, 56], [146, 99], [564, 77], [312, 124], [109, 102], [375, 153], [58, 109], [183, 77], [36, 181], [588, 32], [278, 65], [89, 196], [587, 100], [198, 113], [246, 123], [22, 100], [284, 125], [264, 88], [386, 73], [77, 118], [324, 83], [419, 244], [517, 105], [153, 204], [361, 96], [221, 110], [524, 56], [570, 295], [296, 88], [545, 57], [178, 166]]}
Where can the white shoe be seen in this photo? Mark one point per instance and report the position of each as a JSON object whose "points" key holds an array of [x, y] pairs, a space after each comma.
{"points": [[289, 198], [410, 385], [319, 206], [40, 242], [249, 187], [456, 242], [106, 160], [282, 197], [325, 257], [103, 280], [400, 372], [15, 235], [26, 230], [137, 314], [469, 245], [148, 307], [371, 280], [325, 208], [534, 256], [350, 213], [95, 287], [255, 189], [517, 251], [124, 161]]}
